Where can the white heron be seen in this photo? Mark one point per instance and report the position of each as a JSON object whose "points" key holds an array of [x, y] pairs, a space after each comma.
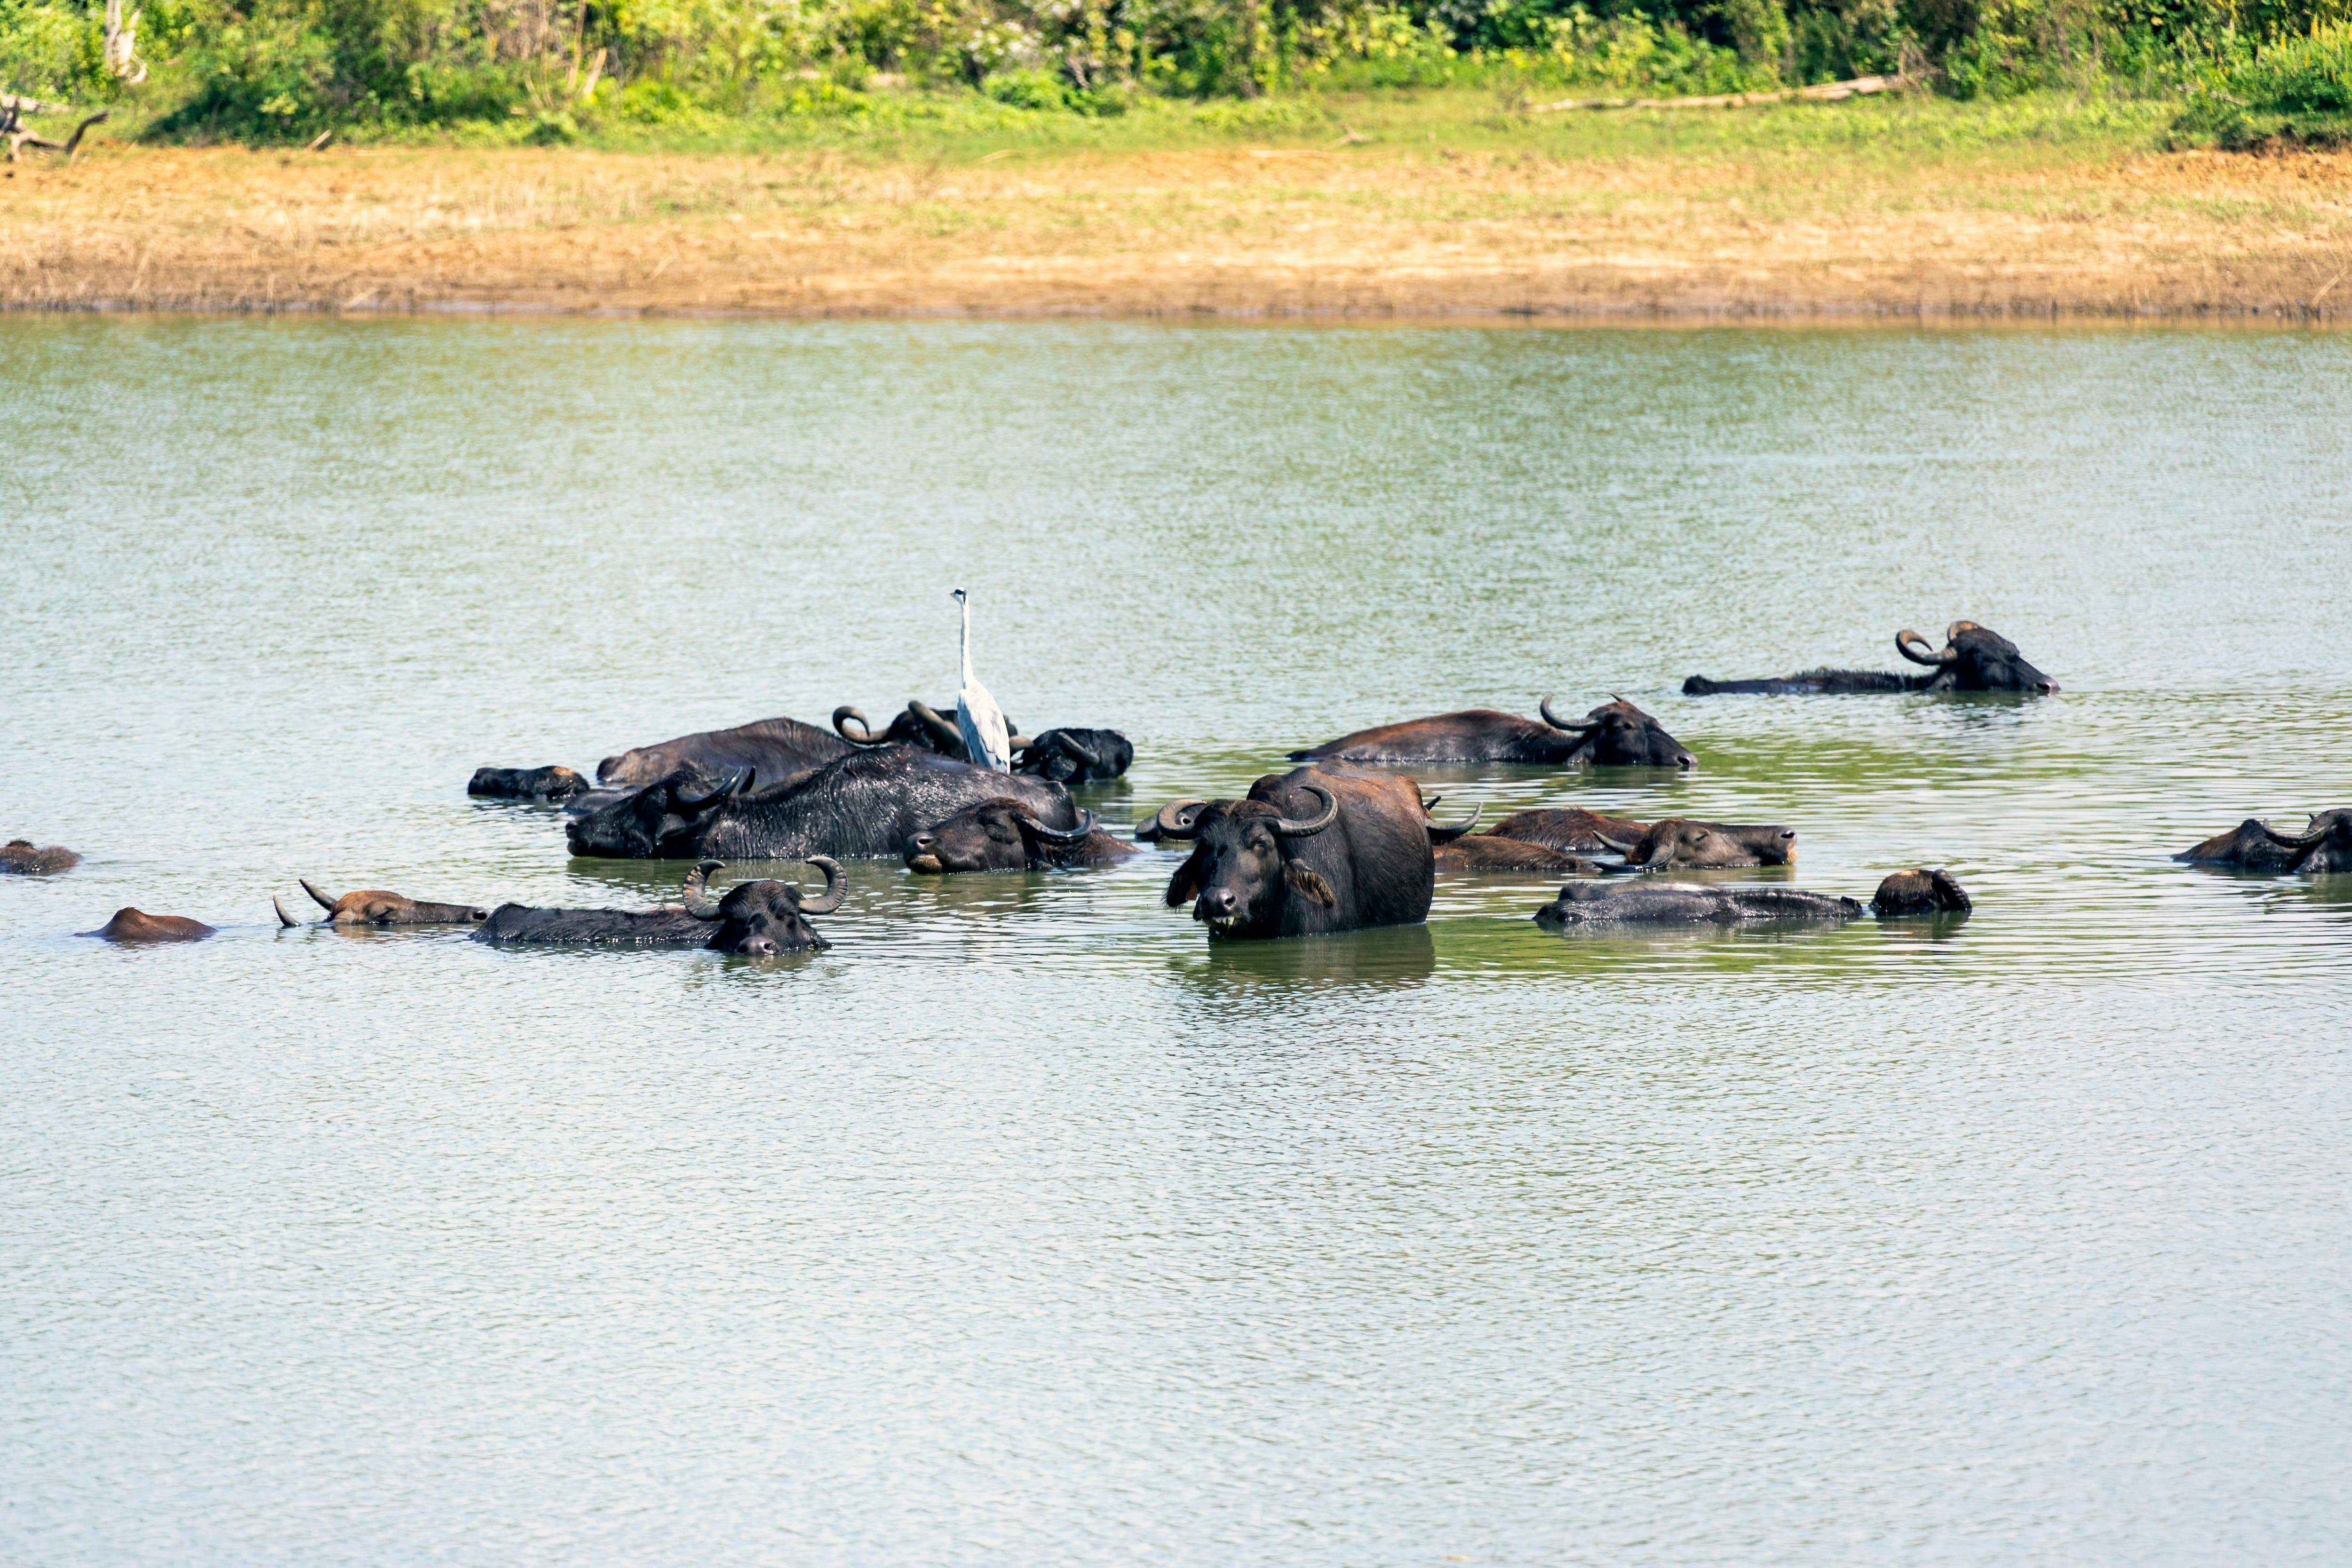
{"points": [[977, 718]]}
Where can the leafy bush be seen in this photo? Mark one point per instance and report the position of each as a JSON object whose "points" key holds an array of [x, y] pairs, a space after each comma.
{"points": [[2297, 90]]}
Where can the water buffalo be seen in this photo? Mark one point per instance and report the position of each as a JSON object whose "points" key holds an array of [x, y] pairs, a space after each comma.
{"points": [[1652, 846], [866, 803], [773, 748], [1679, 841], [1614, 735], [549, 783], [131, 924], [1309, 852], [1587, 905], [376, 907], [918, 725], [1076, 755], [19, 858], [1919, 892], [756, 919], [2323, 846], [1571, 830], [1973, 659], [1686, 904], [1484, 854], [1004, 834]]}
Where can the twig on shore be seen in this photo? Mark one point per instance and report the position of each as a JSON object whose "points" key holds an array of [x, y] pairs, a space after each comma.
{"points": [[1825, 93]]}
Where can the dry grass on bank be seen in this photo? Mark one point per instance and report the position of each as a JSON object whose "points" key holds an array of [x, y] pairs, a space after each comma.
{"points": [[1539, 224]]}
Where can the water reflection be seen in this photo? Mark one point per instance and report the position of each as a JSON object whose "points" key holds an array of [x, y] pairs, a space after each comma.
{"points": [[1385, 959]]}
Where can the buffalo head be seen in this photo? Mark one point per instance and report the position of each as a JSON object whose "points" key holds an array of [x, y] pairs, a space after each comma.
{"points": [[1077, 756], [1920, 893], [1619, 735], [760, 919], [376, 907], [640, 823], [1002, 834], [1974, 659], [1240, 872], [1678, 841]]}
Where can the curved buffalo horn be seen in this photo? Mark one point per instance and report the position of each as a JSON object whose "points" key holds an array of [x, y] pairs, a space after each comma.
{"points": [[1576, 726], [1293, 828], [1062, 835], [1446, 835], [1932, 659], [837, 887], [844, 716], [1080, 750], [283, 918], [1016, 742], [698, 901], [733, 784], [320, 899], [1623, 846], [942, 729], [1173, 821], [2302, 840]]}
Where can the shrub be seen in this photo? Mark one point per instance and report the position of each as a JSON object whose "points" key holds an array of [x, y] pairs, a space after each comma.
{"points": [[2297, 90]]}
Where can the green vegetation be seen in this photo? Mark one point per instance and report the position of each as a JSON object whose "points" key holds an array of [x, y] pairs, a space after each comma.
{"points": [[2232, 73]]}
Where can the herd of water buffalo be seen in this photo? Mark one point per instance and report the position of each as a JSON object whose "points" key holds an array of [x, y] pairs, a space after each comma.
{"points": [[1341, 842]]}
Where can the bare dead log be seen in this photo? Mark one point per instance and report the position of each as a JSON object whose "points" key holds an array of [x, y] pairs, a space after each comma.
{"points": [[1824, 92], [19, 135]]}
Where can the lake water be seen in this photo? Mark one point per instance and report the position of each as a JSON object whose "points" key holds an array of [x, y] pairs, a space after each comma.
{"points": [[1023, 1227]]}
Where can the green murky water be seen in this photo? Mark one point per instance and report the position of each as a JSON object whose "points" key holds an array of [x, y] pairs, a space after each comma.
{"points": [[1022, 1226]]}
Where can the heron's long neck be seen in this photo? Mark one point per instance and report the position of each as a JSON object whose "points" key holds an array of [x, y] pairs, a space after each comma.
{"points": [[967, 641]]}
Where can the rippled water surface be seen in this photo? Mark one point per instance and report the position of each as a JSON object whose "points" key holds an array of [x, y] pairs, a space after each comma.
{"points": [[1023, 1226]]}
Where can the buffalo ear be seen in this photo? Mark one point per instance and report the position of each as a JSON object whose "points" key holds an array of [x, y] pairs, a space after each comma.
{"points": [[1309, 885], [1185, 885]]}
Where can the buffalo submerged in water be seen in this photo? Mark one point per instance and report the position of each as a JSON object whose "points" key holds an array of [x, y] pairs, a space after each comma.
{"points": [[1066, 755], [374, 907], [1588, 905], [1973, 659], [1614, 735], [1004, 835], [1670, 841], [2323, 848], [753, 919], [868, 803], [1305, 854]]}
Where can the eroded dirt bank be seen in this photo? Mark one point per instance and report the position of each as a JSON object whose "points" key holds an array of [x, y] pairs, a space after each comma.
{"points": [[1251, 232]]}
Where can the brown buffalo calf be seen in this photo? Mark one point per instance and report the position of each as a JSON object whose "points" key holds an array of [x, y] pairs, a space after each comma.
{"points": [[18, 857]]}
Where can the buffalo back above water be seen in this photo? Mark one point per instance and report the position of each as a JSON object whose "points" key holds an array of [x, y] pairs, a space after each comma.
{"points": [[773, 748], [131, 924], [20, 857], [1571, 830], [866, 803], [1372, 865], [1483, 854], [1616, 734]]}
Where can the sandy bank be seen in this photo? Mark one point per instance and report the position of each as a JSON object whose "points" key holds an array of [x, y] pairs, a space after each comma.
{"points": [[1370, 232]]}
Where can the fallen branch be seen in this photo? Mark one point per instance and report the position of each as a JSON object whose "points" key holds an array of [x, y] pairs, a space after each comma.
{"points": [[1825, 93], [19, 135]]}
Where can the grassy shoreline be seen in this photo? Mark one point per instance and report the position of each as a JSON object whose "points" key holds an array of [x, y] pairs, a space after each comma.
{"points": [[1441, 205]]}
